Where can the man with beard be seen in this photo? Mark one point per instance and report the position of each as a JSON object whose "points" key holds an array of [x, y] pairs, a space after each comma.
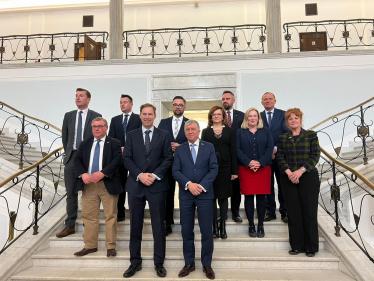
{"points": [[175, 126]]}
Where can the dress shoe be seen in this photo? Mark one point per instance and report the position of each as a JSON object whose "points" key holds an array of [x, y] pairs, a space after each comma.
{"points": [[209, 273], [310, 254], [120, 219], [215, 230], [295, 252], [160, 270], [85, 251], [111, 253], [132, 270], [168, 230], [260, 231], [187, 269], [252, 231], [222, 230], [237, 218], [284, 218], [65, 232], [270, 217]]}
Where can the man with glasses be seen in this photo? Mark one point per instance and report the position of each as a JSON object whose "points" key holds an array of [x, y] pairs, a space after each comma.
{"points": [[175, 126]]}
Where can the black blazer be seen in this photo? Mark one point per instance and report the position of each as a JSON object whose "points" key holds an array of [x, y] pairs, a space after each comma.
{"points": [[167, 125], [225, 146], [116, 126], [238, 119], [278, 124], [111, 162], [157, 161]]}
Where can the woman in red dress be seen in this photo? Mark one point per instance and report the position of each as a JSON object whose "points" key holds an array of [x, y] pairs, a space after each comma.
{"points": [[254, 145]]}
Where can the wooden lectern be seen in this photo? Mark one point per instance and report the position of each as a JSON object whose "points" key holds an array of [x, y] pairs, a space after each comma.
{"points": [[89, 50]]}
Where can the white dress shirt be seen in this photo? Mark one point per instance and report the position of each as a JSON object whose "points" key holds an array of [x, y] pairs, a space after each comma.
{"points": [[128, 117], [84, 116], [150, 139], [93, 153], [180, 120], [231, 114]]}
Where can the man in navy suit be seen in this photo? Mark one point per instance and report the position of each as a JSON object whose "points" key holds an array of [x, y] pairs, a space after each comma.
{"points": [[234, 120], [96, 166], [119, 127], [147, 156], [274, 119], [195, 167], [175, 126]]}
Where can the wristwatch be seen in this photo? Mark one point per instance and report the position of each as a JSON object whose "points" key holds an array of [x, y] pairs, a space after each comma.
{"points": [[303, 169]]}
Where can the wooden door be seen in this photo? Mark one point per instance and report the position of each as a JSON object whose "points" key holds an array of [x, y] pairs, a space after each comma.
{"points": [[313, 41], [90, 49]]}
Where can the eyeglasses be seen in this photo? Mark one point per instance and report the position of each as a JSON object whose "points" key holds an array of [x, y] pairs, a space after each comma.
{"points": [[178, 105], [98, 127], [216, 115]]}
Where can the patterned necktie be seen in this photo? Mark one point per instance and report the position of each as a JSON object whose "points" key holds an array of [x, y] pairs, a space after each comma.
{"points": [[96, 158], [176, 131], [269, 119], [193, 153], [229, 121], [79, 131], [125, 125], [147, 140]]}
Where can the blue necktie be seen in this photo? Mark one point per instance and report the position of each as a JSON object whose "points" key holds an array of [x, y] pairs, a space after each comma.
{"points": [[193, 153], [125, 125], [79, 131], [269, 119], [147, 140], [96, 158]]}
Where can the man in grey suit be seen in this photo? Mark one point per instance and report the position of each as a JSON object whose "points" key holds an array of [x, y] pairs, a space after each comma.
{"points": [[76, 127]]}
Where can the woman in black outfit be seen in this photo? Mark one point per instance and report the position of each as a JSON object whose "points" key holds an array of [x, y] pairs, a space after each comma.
{"points": [[223, 138]]}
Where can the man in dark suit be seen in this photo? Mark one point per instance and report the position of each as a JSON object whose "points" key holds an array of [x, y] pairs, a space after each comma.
{"points": [[234, 120], [119, 127], [195, 167], [147, 156], [175, 126], [76, 127], [274, 119], [96, 165]]}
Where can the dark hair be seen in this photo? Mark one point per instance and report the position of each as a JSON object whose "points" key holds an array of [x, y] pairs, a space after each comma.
{"points": [[224, 115], [88, 94], [126, 96], [148, 105], [228, 92], [180, 98]]}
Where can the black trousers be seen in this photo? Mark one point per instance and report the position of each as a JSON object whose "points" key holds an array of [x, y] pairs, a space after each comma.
{"points": [[223, 208], [121, 210], [302, 205], [71, 182], [169, 213], [270, 198], [236, 197]]}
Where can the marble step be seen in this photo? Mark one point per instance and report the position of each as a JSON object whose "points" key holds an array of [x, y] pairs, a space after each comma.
{"points": [[231, 226], [148, 274], [272, 240], [222, 258]]}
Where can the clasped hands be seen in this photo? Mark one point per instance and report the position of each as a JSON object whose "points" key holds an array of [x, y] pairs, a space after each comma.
{"points": [[254, 165], [94, 178], [195, 188], [147, 178], [294, 176]]}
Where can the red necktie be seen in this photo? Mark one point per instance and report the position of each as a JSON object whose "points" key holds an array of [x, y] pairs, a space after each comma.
{"points": [[229, 122]]}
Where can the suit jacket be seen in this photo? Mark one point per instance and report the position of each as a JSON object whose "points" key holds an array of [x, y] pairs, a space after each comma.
{"points": [[68, 130], [265, 146], [111, 162], [203, 172], [167, 125], [278, 124], [293, 154], [137, 161], [238, 119], [116, 126]]}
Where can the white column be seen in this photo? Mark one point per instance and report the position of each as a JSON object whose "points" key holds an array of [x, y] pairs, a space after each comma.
{"points": [[116, 29], [273, 26]]}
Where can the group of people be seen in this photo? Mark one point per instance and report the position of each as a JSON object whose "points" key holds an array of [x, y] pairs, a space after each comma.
{"points": [[238, 154]]}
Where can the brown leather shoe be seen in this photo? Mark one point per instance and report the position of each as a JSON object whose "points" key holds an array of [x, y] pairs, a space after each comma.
{"points": [[209, 273], [187, 269], [65, 232], [85, 251], [111, 253]]}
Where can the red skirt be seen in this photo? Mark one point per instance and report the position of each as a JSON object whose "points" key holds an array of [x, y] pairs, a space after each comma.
{"points": [[255, 182]]}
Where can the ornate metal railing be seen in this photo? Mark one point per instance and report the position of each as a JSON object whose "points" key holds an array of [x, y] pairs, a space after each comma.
{"points": [[346, 34], [194, 41], [343, 173], [49, 47]]}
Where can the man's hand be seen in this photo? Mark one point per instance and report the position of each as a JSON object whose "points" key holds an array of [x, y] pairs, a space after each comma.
{"points": [[96, 177], [233, 177], [122, 148], [194, 188], [147, 179], [86, 178], [273, 156], [174, 146]]}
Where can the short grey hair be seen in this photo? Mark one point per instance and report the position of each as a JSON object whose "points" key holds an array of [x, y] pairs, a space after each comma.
{"points": [[190, 122]]}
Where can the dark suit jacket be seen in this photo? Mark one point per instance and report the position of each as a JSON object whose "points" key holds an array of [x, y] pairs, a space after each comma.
{"points": [[157, 161], [278, 124], [203, 172], [265, 146], [68, 130], [167, 125], [116, 126], [238, 119], [111, 162]]}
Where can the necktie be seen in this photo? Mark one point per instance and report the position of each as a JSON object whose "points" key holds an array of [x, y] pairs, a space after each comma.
{"points": [[176, 128], [96, 158], [269, 119], [229, 121], [193, 153], [125, 125], [147, 140], [79, 130]]}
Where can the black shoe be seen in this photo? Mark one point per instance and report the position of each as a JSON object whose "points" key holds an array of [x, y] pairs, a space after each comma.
{"points": [[295, 252], [168, 230], [270, 217], [209, 273], [284, 218], [132, 270], [252, 231], [160, 270], [260, 231], [120, 219], [237, 218], [186, 270], [310, 254], [215, 230], [222, 230]]}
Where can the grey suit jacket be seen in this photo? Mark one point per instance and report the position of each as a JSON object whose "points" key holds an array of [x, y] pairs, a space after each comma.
{"points": [[68, 130]]}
